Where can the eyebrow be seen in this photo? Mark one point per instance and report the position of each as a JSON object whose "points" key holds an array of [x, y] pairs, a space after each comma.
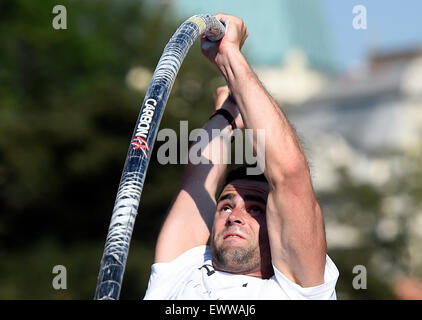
{"points": [[255, 198], [228, 196], [248, 197]]}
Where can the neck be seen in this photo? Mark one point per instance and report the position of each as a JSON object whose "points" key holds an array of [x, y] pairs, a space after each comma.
{"points": [[261, 273]]}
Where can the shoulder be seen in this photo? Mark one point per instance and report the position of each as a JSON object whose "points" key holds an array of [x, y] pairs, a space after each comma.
{"points": [[186, 259], [168, 278]]}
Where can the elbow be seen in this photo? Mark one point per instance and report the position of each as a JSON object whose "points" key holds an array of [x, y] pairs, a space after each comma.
{"points": [[291, 172]]}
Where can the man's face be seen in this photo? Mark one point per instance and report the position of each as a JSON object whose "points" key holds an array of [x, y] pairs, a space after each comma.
{"points": [[239, 239]]}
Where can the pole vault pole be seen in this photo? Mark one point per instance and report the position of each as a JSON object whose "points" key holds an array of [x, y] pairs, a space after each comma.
{"points": [[131, 183]]}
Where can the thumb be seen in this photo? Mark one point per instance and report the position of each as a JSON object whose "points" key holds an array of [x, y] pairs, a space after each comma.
{"points": [[207, 45]]}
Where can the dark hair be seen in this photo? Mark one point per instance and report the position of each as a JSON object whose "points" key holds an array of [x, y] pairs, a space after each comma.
{"points": [[240, 173]]}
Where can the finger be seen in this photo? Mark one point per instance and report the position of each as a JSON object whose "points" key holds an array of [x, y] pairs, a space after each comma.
{"points": [[225, 19], [220, 96], [222, 89], [220, 100], [222, 16]]}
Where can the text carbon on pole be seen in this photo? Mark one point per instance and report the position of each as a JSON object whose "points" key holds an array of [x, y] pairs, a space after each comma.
{"points": [[131, 183]]}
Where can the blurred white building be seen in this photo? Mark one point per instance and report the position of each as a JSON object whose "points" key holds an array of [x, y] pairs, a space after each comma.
{"points": [[358, 119]]}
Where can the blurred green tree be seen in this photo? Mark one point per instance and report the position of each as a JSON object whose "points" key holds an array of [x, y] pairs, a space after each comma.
{"points": [[388, 219], [66, 118]]}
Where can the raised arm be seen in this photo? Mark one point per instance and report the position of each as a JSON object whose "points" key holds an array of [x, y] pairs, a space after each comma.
{"points": [[190, 217], [294, 218]]}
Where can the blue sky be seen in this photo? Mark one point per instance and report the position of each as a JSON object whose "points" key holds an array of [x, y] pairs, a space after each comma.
{"points": [[391, 24]]}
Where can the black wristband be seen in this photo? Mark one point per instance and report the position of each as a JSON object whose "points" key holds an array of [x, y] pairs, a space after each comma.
{"points": [[227, 115]]}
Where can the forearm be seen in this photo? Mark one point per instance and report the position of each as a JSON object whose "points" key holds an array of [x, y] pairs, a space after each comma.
{"points": [[283, 152], [201, 180]]}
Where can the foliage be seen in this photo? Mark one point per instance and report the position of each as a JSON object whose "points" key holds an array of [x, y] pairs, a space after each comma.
{"points": [[388, 219], [66, 117]]}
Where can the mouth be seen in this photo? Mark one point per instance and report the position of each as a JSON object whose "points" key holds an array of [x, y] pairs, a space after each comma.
{"points": [[233, 236]]}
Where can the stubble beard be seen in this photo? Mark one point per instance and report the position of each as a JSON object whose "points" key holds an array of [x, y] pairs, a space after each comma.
{"points": [[235, 259]]}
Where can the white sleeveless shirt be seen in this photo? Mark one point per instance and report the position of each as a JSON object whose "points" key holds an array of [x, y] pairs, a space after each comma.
{"points": [[191, 276]]}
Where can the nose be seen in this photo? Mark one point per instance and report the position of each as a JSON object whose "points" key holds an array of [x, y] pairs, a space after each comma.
{"points": [[236, 216]]}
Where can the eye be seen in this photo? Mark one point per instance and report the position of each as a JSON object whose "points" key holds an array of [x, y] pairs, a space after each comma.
{"points": [[256, 210], [226, 209]]}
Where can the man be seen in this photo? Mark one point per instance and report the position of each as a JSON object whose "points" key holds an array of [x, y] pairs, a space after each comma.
{"points": [[267, 238]]}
